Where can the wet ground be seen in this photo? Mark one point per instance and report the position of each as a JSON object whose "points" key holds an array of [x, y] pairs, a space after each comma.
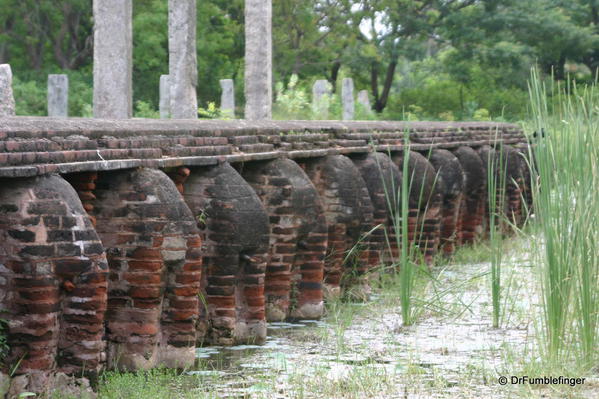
{"points": [[374, 351], [362, 350]]}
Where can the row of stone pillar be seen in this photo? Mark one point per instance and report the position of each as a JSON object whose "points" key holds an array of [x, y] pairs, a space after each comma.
{"points": [[134, 268], [113, 63], [113, 58], [321, 98], [58, 97]]}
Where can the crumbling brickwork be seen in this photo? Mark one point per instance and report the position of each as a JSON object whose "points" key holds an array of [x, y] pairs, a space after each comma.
{"points": [[506, 164], [490, 162], [349, 215], [234, 228], [153, 251], [512, 161], [130, 267], [424, 215], [470, 219], [383, 180], [298, 239], [450, 172], [52, 281]]}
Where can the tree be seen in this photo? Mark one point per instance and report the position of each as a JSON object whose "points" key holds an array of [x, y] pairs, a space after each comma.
{"points": [[38, 33], [551, 32]]}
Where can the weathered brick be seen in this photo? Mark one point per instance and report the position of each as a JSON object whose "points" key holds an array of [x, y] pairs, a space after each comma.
{"points": [[38, 250], [22, 235], [60, 235]]}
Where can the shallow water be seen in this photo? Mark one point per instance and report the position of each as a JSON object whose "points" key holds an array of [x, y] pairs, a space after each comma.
{"points": [[451, 353]]}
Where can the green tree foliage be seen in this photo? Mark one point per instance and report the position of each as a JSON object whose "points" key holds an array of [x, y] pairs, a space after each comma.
{"points": [[441, 59]]}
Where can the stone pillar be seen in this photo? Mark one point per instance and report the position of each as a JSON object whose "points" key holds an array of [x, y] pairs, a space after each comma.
{"points": [[7, 101], [364, 101], [58, 96], [227, 98], [258, 59], [165, 97], [113, 52], [183, 63], [347, 98], [321, 95]]}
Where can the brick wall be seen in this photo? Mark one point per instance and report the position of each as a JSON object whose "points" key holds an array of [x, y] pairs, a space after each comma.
{"points": [[126, 243], [298, 238], [450, 172], [53, 281], [425, 201], [152, 246], [235, 231], [349, 214], [383, 181]]}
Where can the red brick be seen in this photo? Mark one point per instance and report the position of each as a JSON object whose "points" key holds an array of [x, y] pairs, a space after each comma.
{"points": [[139, 265], [146, 253], [144, 292]]}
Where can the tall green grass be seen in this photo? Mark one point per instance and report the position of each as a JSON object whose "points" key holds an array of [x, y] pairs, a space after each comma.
{"points": [[411, 261], [496, 186], [566, 205]]}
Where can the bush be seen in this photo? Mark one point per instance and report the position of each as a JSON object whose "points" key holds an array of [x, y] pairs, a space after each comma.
{"points": [[30, 98], [292, 102], [145, 110]]}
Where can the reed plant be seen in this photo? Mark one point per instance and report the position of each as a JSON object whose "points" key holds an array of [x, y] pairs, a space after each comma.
{"points": [[496, 190], [407, 268], [410, 261], [566, 205]]}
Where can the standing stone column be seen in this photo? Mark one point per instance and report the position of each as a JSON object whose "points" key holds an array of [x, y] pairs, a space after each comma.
{"points": [[227, 98], [7, 100], [258, 59], [182, 61], [347, 98], [321, 95], [113, 59], [58, 96], [165, 97], [364, 101]]}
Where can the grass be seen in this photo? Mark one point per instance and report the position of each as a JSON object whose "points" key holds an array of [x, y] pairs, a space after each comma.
{"points": [[496, 190], [407, 268], [156, 383], [411, 261], [566, 204]]}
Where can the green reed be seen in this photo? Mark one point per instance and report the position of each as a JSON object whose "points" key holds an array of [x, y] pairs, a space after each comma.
{"points": [[566, 205]]}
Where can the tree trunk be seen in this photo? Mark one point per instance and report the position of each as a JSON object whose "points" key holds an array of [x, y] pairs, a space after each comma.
{"points": [[334, 74], [560, 69], [3, 53], [381, 102]]}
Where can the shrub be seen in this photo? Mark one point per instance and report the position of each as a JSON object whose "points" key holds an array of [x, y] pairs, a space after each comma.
{"points": [[292, 102]]}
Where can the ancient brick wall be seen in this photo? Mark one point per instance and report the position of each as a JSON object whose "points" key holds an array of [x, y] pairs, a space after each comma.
{"points": [[450, 172], [298, 239], [126, 243], [383, 181], [472, 205], [53, 273], [425, 200], [235, 231], [152, 246], [349, 214]]}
